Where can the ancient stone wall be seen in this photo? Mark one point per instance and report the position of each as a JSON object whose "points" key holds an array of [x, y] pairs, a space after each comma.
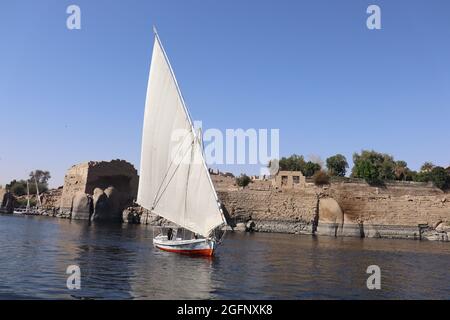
{"points": [[117, 173], [75, 181], [52, 198], [284, 210], [115, 183], [394, 210], [2, 194], [289, 179], [407, 204]]}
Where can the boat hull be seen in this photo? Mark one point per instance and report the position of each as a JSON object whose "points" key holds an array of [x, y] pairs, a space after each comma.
{"points": [[201, 247]]}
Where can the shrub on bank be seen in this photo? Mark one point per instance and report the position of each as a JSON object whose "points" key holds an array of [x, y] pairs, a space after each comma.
{"points": [[243, 180], [321, 178]]}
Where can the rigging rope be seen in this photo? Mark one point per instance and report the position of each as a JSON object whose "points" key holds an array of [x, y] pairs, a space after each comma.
{"points": [[157, 195], [175, 171]]}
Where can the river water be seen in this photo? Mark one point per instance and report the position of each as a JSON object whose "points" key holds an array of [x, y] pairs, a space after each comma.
{"points": [[119, 262]]}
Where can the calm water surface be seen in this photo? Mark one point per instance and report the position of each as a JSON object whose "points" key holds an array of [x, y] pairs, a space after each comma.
{"points": [[119, 262]]}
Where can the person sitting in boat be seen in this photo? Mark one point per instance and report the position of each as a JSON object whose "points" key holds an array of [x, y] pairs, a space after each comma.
{"points": [[195, 236], [169, 234]]}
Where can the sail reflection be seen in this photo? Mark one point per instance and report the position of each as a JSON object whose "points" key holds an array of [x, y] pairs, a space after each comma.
{"points": [[172, 276]]}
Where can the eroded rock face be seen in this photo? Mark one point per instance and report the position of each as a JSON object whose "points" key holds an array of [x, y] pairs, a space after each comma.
{"points": [[8, 202], [81, 206], [115, 200], [100, 204], [107, 205], [331, 217], [2, 194], [97, 193], [330, 211]]}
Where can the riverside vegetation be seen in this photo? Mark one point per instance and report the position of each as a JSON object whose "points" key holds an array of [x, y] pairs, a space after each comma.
{"points": [[374, 167]]}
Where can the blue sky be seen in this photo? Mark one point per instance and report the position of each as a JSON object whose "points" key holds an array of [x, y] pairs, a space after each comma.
{"points": [[310, 68]]}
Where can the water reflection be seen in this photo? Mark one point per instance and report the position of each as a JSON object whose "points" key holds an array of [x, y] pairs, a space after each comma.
{"points": [[171, 276], [105, 265], [119, 262]]}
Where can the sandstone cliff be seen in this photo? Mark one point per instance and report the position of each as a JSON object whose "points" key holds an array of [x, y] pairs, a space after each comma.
{"points": [[400, 209]]}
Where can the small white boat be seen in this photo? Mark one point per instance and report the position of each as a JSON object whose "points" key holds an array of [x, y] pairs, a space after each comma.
{"points": [[27, 211], [202, 247], [174, 180], [20, 211]]}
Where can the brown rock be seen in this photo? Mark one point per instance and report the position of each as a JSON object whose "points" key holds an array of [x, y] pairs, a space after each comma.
{"points": [[81, 206]]}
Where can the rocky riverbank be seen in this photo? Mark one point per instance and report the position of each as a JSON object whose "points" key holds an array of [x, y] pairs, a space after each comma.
{"points": [[346, 207]]}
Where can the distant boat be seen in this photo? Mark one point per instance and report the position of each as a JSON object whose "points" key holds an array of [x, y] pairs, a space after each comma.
{"points": [[174, 179], [28, 210]]}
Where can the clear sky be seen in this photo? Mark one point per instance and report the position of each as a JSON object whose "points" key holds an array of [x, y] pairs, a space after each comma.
{"points": [[310, 68]]}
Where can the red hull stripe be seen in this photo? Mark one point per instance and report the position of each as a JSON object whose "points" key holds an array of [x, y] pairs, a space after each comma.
{"points": [[203, 252]]}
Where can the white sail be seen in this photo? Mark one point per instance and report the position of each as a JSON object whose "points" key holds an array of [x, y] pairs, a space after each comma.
{"points": [[174, 181], [28, 197]]}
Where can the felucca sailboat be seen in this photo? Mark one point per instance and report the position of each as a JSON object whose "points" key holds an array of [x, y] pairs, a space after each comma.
{"points": [[174, 179]]}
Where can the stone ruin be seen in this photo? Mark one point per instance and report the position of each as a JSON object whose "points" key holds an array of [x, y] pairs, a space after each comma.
{"points": [[289, 179], [2, 194], [7, 201], [99, 191]]}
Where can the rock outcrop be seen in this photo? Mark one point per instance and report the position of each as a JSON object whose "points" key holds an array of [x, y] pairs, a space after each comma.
{"points": [[81, 206], [51, 199], [107, 205], [8, 202], [2, 194], [109, 187], [330, 218]]}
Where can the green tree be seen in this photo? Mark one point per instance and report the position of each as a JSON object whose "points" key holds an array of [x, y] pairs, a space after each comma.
{"points": [[18, 188], [243, 180], [42, 178], [292, 163], [387, 168], [310, 169], [337, 165], [401, 170], [422, 176], [40, 175], [427, 167], [411, 175], [374, 167], [440, 178], [367, 170]]}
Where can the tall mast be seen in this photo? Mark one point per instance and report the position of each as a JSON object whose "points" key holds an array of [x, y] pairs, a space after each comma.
{"points": [[28, 197], [39, 204]]}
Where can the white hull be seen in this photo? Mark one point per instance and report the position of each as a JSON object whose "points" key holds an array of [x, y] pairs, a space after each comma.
{"points": [[204, 247], [27, 212]]}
